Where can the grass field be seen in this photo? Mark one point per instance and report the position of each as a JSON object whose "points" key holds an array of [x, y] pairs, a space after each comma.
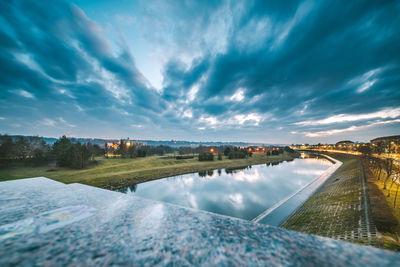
{"points": [[387, 216], [119, 173]]}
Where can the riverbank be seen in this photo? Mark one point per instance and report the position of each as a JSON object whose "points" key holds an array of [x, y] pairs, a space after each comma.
{"points": [[339, 209], [279, 213], [385, 209], [119, 173]]}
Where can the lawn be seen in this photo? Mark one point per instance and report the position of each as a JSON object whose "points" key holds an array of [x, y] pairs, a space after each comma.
{"points": [[118, 173]]}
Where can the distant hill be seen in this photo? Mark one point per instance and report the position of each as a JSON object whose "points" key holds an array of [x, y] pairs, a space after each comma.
{"points": [[172, 143]]}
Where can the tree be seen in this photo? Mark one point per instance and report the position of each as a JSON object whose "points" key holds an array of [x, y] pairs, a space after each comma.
{"points": [[388, 165], [377, 165], [78, 155], [397, 175], [132, 151], [71, 155], [288, 149], [219, 156], [22, 148], [122, 148], [61, 150], [366, 151], [227, 150], [7, 148], [205, 156], [237, 154], [379, 147]]}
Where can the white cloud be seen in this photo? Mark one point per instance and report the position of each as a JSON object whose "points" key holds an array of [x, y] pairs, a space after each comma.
{"points": [[79, 108], [251, 118], [187, 114], [238, 95], [23, 93], [48, 122], [137, 125], [250, 177], [2, 118], [236, 199], [209, 120], [65, 122], [367, 80], [382, 114], [349, 129], [193, 92], [365, 86]]}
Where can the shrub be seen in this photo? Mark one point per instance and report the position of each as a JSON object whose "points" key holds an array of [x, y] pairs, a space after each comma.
{"points": [[237, 155], [206, 157]]}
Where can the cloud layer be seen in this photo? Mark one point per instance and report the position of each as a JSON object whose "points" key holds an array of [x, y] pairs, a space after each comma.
{"points": [[256, 71]]}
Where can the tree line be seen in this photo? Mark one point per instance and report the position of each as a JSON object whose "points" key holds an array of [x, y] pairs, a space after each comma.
{"points": [[386, 170], [127, 149], [34, 151]]}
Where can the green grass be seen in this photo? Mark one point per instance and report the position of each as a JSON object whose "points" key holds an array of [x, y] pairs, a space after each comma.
{"points": [[118, 173], [391, 238]]}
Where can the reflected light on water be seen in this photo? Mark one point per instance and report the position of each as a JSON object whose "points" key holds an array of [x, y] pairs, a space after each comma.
{"points": [[243, 193]]}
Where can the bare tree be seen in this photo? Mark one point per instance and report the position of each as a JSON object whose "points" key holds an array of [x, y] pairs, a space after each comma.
{"points": [[388, 165], [395, 179], [377, 166], [397, 174]]}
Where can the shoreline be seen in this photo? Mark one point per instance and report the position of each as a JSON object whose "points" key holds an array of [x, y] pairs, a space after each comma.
{"points": [[276, 215], [215, 165], [339, 208], [114, 174]]}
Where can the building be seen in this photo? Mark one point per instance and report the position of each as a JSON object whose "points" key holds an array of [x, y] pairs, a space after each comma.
{"points": [[344, 143], [387, 140], [387, 144], [112, 147]]}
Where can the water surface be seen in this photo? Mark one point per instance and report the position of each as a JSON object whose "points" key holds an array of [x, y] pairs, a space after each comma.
{"points": [[242, 193]]}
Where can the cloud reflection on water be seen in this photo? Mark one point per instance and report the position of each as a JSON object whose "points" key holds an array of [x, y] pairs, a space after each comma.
{"points": [[240, 193]]}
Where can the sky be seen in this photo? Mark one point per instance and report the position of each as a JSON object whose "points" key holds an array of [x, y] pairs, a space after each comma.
{"points": [[253, 71]]}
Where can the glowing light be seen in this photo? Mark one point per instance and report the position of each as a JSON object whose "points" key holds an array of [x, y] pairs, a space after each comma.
{"points": [[212, 150]]}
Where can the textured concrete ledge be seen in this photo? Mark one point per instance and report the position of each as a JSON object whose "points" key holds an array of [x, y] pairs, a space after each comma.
{"points": [[278, 213], [43, 222]]}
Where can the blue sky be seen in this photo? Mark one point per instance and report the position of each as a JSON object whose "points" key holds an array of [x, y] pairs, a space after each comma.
{"points": [[257, 71]]}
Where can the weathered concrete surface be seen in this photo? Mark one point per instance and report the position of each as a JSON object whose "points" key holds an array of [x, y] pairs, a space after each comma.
{"points": [[43, 222]]}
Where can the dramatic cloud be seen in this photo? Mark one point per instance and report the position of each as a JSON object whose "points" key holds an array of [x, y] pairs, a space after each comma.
{"points": [[383, 114], [349, 129], [269, 71]]}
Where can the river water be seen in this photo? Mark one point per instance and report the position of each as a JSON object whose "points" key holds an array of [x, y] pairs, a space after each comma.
{"points": [[242, 193]]}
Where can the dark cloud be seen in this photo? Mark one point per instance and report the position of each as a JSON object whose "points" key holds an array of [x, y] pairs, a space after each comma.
{"points": [[54, 52], [253, 66], [327, 45]]}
